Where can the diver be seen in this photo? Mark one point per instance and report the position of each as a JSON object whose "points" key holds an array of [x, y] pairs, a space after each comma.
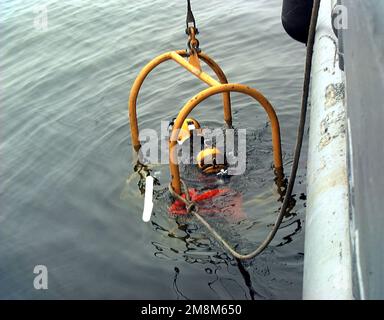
{"points": [[203, 160]]}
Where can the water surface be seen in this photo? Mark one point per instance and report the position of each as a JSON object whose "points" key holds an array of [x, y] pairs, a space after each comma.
{"points": [[69, 197]]}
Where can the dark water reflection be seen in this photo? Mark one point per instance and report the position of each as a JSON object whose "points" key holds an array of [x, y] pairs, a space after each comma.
{"points": [[190, 243]]}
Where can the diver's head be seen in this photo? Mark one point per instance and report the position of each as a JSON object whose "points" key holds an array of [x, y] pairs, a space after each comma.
{"points": [[186, 131], [211, 161]]}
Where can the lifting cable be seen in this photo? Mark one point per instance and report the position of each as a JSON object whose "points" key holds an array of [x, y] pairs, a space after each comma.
{"points": [[193, 208], [191, 23]]}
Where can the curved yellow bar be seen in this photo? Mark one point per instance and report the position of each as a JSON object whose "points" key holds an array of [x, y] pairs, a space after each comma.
{"points": [[223, 79], [177, 56], [191, 104]]}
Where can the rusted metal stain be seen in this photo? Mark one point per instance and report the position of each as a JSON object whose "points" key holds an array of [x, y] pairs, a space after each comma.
{"points": [[331, 127], [334, 93]]}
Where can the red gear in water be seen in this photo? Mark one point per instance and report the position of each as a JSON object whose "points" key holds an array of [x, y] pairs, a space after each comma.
{"points": [[230, 208]]}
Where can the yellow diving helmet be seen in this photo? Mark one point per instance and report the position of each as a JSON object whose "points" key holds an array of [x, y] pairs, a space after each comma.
{"points": [[207, 161], [188, 126]]}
